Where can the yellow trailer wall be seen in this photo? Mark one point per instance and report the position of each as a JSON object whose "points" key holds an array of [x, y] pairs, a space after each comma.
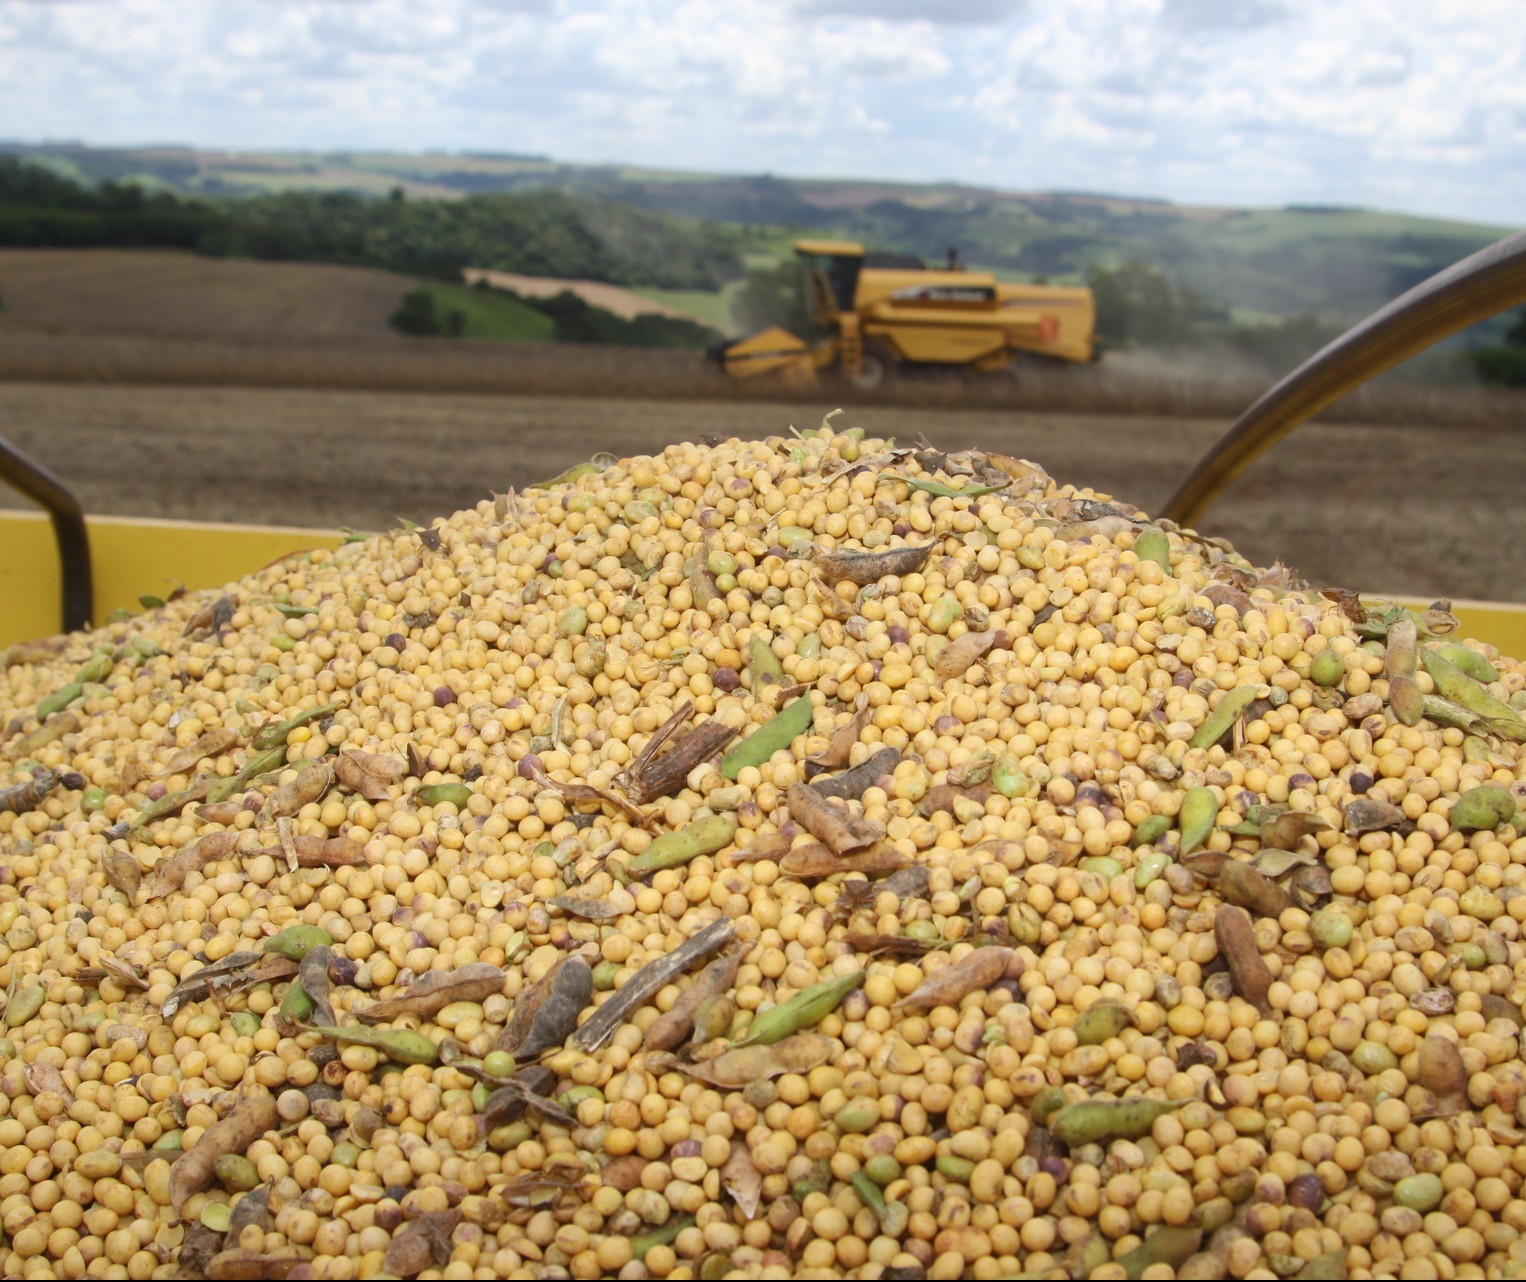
{"points": [[131, 558]]}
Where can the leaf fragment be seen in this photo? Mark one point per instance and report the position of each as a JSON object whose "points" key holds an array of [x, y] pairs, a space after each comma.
{"points": [[835, 755], [740, 1177]]}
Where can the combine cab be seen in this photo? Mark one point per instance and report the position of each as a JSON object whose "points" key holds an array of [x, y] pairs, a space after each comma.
{"points": [[877, 314]]}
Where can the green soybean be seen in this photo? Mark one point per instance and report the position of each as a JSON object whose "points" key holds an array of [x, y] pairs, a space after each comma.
{"points": [[237, 1172], [763, 663], [1327, 669], [773, 735], [664, 1236], [60, 699], [439, 794], [1483, 808], [1169, 1244], [1151, 544], [1099, 1121], [297, 941], [1152, 829], [674, 849], [1200, 807], [245, 1023], [1009, 780], [1469, 662], [1222, 717], [92, 800], [1101, 1021], [395, 1043], [1150, 867], [805, 1009], [275, 735], [958, 1169]]}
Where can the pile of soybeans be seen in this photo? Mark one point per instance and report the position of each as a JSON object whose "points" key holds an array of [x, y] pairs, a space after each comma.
{"points": [[796, 858]]}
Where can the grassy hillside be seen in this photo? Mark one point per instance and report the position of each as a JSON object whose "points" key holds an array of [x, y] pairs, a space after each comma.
{"points": [[489, 314]]}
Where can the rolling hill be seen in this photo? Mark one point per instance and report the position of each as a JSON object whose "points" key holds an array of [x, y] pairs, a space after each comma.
{"points": [[1336, 263]]}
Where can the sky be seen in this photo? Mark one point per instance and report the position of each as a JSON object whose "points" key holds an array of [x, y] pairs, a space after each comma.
{"points": [[1404, 105]]}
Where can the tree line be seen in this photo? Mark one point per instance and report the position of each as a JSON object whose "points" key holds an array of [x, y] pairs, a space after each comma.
{"points": [[543, 233]]}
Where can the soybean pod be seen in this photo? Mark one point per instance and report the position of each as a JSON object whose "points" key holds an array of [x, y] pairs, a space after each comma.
{"points": [[805, 1009], [775, 734]]}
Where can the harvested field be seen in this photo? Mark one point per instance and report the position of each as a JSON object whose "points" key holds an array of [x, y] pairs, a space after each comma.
{"points": [[95, 291], [1420, 509]]}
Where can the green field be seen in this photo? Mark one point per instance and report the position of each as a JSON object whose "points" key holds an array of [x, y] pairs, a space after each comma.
{"points": [[708, 305], [489, 314]]}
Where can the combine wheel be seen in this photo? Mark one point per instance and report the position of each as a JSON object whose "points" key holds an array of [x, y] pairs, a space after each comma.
{"points": [[878, 365]]}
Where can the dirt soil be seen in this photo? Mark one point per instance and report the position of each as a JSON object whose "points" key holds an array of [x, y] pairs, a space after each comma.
{"points": [[1411, 509]]}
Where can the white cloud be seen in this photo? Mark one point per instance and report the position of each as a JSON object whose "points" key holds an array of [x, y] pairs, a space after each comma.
{"points": [[1383, 102]]}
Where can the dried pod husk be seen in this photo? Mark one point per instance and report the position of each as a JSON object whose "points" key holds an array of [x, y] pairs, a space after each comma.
{"points": [[1441, 1072], [251, 1117], [830, 821], [840, 746], [813, 861], [208, 745], [1287, 828], [870, 567], [170, 874], [310, 783], [1248, 970], [546, 1014], [960, 654], [1371, 814], [371, 774], [674, 1027], [852, 784], [1239, 883], [950, 984], [737, 1068]]}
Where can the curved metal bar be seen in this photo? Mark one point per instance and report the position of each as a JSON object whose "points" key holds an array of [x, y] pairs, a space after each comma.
{"points": [[41, 486], [1472, 290]]}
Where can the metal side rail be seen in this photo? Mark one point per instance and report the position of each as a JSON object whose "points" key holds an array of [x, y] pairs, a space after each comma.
{"points": [[1473, 290], [30, 478]]}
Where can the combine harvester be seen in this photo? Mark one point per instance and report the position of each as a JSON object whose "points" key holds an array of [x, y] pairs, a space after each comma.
{"points": [[98, 567], [879, 314]]}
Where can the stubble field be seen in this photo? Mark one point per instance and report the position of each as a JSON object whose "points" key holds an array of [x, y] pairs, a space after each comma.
{"points": [[1420, 508]]}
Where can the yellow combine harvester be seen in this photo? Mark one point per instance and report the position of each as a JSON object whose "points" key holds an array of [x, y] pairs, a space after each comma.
{"points": [[879, 313]]}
